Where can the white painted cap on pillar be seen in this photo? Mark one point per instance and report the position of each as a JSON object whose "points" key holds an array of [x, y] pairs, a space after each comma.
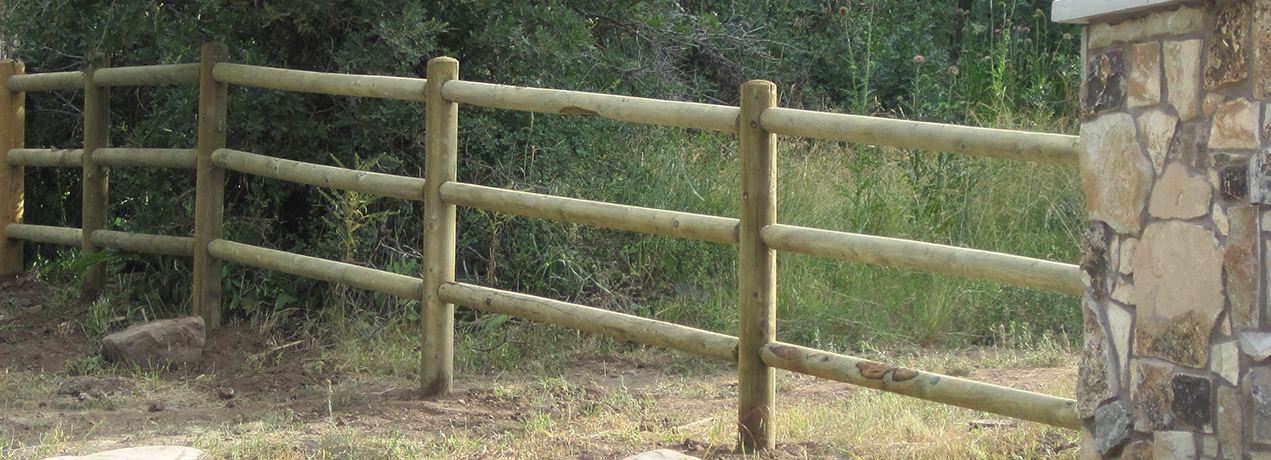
{"points": [[1081, 11]]}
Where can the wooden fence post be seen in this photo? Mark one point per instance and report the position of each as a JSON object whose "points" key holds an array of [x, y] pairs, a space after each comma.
{"points": [[209, 201], [437, 331], [96, 179], [757, 269], [12, 188]]}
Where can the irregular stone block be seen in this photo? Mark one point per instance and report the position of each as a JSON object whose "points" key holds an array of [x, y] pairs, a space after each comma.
{"points": [[1179, 195], [143, 453], [1235, 125], [661, 454], [1259, 177], [1152, 396], [1157, 130], [1258, 394], [1224, 360], [1088, 451], [1137, 450], [166, 342], [1262, 49], [1220, 219], [1115, 173], [1120, 325], [1094, 259], [1178, 22], [1126, 266], [1227, 62], [1243, 266], [1228, 423], [1182, 76], [1111, 426], [1233, 182], [1192, 399], [1190, 144], [1145, 76], [1256, 344], [1209, 445], [1123, 292], [1105, 83], [1173, 445], [1211, 102], [1178, 284], [1092, 373]]}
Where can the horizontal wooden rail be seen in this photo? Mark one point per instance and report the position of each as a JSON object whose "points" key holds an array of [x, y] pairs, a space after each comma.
{"points": [[46, 157], [47, 81], [44, 234], [407, 188], [146, 158], [1025, 405], [611, 323], [595, 213], [139, 242], [694, 115], [936, 258], [965, 140], [169, 74], [406, 287], [404, 88]]}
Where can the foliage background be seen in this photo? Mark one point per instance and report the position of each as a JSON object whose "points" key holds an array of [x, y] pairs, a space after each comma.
{"points": [[980, 63]]}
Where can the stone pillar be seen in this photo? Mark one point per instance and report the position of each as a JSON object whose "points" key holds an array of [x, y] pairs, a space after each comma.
{"points": [[1176, 168]]}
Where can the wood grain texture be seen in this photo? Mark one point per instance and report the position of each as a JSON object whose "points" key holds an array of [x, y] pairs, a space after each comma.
{"points": [[403, 88], [12, 182], [756, 270], [95, 180], [441, 143], [209, 201], [170, 74], [406, 188]]}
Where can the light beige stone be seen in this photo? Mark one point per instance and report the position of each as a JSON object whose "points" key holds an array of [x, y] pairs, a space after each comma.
{"points": [[1115, 173], [1123, 292], [1120, 327], [1144, 88], [1178, 287], [1220, 219], [1182, 76], [1242, 266], [1266, 221], [1211, 102], [661, 454], [1088, 450], [144, 453], [1178, 22], [1179, 195], [1173, 445], [1261, 49], [1235, 125], [1127, 256], [1208, 445], [1157, 129], [1224, 360], [1227, 422]]}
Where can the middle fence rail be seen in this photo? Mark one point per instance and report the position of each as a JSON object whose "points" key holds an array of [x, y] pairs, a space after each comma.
{"points": [[756, 233]]}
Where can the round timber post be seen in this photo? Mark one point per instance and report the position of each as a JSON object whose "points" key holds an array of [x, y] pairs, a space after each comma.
{"points": [[209, 201], [757, 269], [12, 189], [95, 180], [441, 150]]}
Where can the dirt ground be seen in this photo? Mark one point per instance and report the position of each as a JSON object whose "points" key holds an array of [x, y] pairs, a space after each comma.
{"points": [[597, 408]]}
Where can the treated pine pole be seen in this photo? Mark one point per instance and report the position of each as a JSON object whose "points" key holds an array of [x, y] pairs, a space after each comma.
{"points": [[96, 180], [437, 331], [757, 269], [209, 201], [12, 189]]}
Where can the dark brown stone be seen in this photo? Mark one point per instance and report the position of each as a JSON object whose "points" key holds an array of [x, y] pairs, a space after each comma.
{"points": [[1137, 450], [1105, 83], [1193, 399], [1183, 340], [1241, 265], [1233, 182], [1094, 258], [1153, 396], [1227, 62]]}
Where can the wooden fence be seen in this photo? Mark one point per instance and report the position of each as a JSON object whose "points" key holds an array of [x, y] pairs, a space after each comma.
{"points": [[756, 233]]}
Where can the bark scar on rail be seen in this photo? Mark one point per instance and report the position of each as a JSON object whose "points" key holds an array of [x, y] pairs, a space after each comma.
{"points": [[572, 110]]}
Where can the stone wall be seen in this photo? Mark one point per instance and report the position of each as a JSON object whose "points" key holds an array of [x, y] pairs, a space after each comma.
{"points": [[1176, 168]]}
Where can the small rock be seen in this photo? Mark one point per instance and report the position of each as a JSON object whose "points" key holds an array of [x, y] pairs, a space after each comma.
{"points": [[1111, 426], [177, 342], [93, 386], [230, 405], [154, 406], [661, 454], [225, 393]]}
